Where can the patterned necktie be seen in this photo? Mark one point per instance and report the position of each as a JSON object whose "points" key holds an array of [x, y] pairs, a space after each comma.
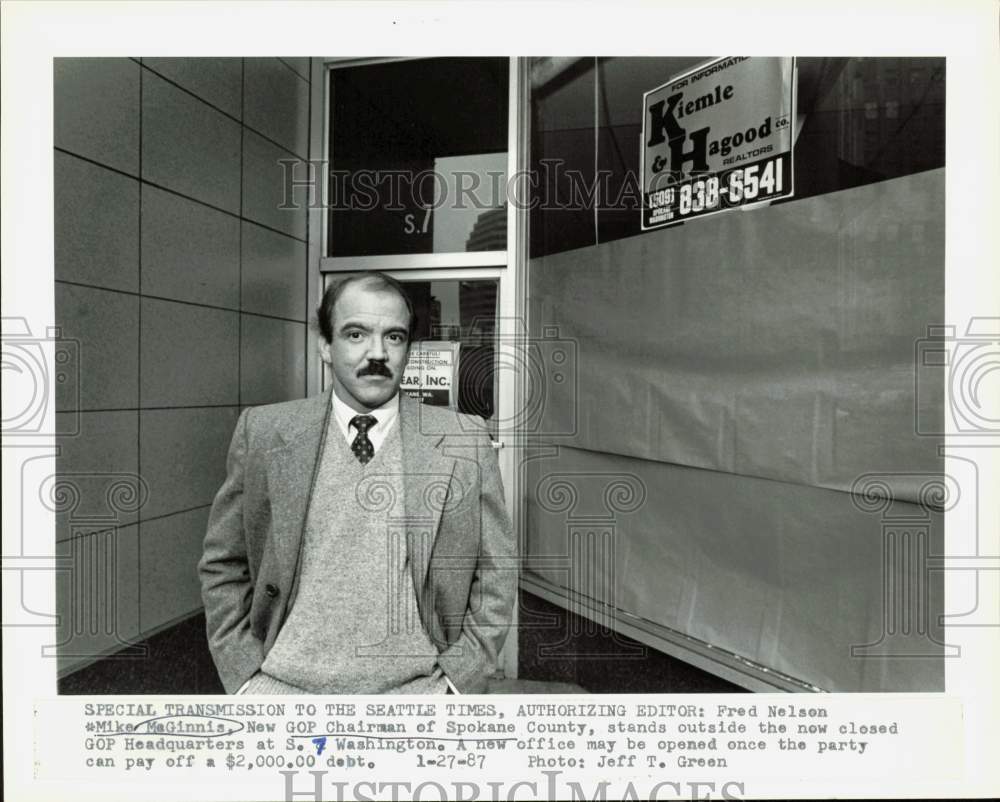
{"points": [[362, 446]]}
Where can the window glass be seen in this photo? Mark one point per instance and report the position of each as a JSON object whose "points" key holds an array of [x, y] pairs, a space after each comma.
{"points": [[860, 120], [418, 157], [462, 312]]}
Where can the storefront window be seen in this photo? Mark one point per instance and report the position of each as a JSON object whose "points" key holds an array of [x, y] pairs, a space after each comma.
{"points": [[401, 182], [745, 369], [860, 120]]}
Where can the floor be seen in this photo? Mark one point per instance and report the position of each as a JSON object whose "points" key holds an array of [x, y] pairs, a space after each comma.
{"points": [[557, 646], [177, 661], [559, 653]]}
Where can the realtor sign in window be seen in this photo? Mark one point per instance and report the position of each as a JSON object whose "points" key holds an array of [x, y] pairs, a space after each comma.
{"points": [[717, 137]]}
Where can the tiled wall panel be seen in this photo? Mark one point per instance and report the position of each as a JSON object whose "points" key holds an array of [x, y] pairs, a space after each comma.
{"points": [[272, 359], [274, 100], [98, 472], [298, 63], [106, 325], [218, 81], [273, 280], [189, 355], [264, 194], [166, 226], [170, 550], [189, 147], [190, 252], [96, 110], [97, 595], [183, 456], [96, 225]]}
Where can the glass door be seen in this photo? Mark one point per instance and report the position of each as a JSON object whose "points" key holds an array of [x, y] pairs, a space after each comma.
{"points": [[423, 158]]}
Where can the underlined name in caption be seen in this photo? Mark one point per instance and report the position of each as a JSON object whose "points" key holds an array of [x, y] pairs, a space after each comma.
{"points": [[499, 747]]}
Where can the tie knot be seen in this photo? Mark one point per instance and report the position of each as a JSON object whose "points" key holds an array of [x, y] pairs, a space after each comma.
{"points": [[363, 423]]}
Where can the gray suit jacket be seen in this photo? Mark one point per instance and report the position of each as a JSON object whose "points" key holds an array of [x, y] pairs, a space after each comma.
{"points": [[458, 535]]}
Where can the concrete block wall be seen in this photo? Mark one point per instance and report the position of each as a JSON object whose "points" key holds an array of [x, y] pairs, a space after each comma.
{"points": [[185, 286]]}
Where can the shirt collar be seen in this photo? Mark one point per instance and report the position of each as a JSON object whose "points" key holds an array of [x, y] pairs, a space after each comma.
{"points": [[385, 415]]}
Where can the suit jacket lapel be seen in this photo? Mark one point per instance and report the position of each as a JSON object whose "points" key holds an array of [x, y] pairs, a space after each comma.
{"points": [[427, 475], [291, 473], [291, 476]]}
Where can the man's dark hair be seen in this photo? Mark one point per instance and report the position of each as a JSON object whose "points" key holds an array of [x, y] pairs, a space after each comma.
{"points": [[378, 281]]}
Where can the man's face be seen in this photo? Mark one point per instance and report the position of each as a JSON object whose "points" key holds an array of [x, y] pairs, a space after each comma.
{"points": [[370, 346]]}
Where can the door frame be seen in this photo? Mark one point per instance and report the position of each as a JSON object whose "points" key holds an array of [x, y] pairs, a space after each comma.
{"points": [[508, 266]]}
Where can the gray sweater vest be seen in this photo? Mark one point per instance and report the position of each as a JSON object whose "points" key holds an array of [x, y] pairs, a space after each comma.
{"points": [[354, 626]]}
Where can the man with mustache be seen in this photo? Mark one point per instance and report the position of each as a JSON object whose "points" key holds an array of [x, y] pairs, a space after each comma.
{"points": [[360, 542]]}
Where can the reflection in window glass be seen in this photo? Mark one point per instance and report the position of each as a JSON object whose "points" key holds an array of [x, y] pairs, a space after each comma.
{"points": [[463, 312], [860, 120], [474, 221], [867, 119], [418, 157]]}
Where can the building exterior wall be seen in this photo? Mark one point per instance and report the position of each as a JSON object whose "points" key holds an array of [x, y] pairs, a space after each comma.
{"points": [[184, 285]]}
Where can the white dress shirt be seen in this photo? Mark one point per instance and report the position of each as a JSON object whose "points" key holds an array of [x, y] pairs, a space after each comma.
{"points": [[385, 415]]}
